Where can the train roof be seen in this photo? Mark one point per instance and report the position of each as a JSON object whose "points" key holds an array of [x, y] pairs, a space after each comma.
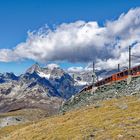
{"points": [[126, 69], [117, 73]]}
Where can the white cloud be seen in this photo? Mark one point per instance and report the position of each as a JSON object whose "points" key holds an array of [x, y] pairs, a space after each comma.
{"points": [[52, 66], [75, 69], [7, 55], [78, 41], [81, 42]]}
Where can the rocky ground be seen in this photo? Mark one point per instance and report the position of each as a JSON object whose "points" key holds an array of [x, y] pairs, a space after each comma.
{"points": [[21, 117], [11, 120], [105, 92]]}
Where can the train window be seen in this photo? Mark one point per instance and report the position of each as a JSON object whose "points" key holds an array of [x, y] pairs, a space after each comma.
{"points": [[134, 69], [118, 75], [126, 73], [109, 79], [121, 74]]}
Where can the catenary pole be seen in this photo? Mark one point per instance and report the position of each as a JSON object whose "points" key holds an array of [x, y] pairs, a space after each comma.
{"points": [[129, 60]]}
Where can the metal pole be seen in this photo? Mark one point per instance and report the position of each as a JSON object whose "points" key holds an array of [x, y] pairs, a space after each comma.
{"points": [[119, 54], [118, 67], [129, 68], [129, 60], [97, 78], [73, 80], [93, 76]]}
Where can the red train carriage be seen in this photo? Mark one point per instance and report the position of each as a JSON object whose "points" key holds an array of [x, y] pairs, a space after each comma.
{"points": [[134, 72], [86, 88]]}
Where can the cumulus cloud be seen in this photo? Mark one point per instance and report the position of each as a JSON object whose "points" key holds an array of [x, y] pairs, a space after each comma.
{"points": [[81, 42], [75, 69], [52, 66]]}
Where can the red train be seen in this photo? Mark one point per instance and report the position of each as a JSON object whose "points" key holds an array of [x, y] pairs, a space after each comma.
{"points": [[122, 75]]}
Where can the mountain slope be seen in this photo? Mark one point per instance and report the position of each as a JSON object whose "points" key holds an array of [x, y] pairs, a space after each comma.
{"points": [[105, 92], [112, 119], [29, 91]]}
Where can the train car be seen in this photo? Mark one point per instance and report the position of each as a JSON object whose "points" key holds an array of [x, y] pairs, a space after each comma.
{"points": [[89, 87], [119, 76], [134, 72]]}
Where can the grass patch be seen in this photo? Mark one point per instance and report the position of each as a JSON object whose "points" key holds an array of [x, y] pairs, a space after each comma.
{"points": [[109, 121]]}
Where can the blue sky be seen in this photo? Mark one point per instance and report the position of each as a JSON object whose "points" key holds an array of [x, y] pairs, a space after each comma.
{"points": [[19, 16]]}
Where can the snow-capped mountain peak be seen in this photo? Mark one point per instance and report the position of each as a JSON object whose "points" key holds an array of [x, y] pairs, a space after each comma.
{"points": [[34, 68]]}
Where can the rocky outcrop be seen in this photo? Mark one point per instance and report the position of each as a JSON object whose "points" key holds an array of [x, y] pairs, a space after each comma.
{"points": [[106, 92]]}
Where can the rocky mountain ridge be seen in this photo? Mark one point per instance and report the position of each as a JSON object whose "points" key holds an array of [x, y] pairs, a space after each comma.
{"points": [[38, 87]]}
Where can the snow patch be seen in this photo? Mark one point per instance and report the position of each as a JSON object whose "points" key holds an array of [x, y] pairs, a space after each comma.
{"points": [[81, 83], [43, 75]]}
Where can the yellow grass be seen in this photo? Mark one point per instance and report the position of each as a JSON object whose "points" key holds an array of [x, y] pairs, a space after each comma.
{"points": [[28, 114], [115, 119]]}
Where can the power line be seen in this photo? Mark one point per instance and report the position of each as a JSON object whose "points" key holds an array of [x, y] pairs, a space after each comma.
{"points": [[135, 56]]}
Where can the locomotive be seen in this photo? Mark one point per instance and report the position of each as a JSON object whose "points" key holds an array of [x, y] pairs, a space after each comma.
{"points": [[119, 76]]}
